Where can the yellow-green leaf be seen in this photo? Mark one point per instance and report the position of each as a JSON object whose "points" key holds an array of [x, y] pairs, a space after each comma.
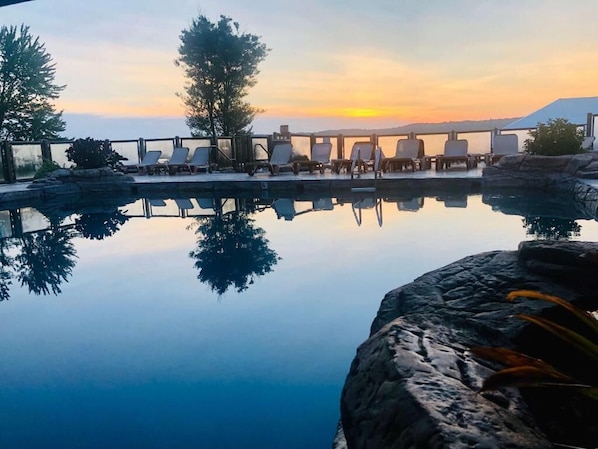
{"points": [[528, 376], [572, 338], [586, 318]]}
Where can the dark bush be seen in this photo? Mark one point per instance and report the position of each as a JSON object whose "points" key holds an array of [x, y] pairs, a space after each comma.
{"points": [[47, 167], [554, 138], [91, 153]]}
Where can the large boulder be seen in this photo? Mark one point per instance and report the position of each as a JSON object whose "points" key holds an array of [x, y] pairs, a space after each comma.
{"points": [[524, 170], [78, 181], [414, 383]]}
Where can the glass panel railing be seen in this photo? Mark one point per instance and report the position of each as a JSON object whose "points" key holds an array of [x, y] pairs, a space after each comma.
{"points": [[226, 147], [128, 149], [5, 224], [27, 159], [433, 143], [164, 145], [260, 147], [477, 142], [193, 142], [58, 153], [32, 220], [301, 145], [389, 144]]}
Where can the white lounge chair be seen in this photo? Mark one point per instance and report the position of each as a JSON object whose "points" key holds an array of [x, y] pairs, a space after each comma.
{"points": [[455, 151], [362, 154], [281, 157], [178, 160], [409, 153], [588, 143], [320, 159], [149, 164], [502, 144], [200, 160]]}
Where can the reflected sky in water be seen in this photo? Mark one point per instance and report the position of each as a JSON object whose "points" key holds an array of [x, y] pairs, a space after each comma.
{"points": [[136, 352]]}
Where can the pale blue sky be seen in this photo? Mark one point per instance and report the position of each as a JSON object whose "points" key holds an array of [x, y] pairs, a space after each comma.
{"points": [[332, 64]]}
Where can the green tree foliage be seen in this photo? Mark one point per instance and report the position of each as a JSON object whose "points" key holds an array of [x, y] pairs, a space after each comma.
{"points": [[92, 153], [27, 88], [554, 138], [221, 64]]}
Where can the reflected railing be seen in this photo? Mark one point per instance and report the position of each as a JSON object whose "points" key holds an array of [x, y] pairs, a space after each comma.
{"points": [[36, 247]]}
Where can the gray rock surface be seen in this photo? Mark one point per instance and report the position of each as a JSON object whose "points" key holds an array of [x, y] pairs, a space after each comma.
{"points": [[414, 383], [91, 181], [523, 170]]}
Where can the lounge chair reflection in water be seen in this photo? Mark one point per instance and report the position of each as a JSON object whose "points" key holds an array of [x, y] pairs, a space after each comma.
{"points": [[453, 200], [361, 203], [284, 208]]}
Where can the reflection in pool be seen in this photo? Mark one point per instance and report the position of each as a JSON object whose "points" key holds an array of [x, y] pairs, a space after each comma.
{"points": [[218, 323]]}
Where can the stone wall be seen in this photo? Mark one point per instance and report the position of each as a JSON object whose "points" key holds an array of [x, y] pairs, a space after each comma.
{"points": [[414, 383]]}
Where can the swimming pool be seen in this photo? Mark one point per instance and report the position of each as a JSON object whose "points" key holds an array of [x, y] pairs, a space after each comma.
{"points": [[206, 326]]}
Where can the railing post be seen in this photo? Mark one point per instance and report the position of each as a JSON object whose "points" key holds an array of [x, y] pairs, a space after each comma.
{"points": [[339, 146], [46, 152], [141, 148], [16, 223], [177, 142], [8, 163], [589, 124]]}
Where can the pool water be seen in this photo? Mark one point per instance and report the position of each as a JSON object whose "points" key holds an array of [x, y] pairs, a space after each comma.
{"points": [[218, 328]]}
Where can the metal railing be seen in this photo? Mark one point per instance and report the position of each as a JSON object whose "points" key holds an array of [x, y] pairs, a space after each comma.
{"points": [[20, 160]]}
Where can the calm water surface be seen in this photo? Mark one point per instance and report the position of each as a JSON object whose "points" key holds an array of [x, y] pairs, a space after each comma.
{"points": [[121, 331]]}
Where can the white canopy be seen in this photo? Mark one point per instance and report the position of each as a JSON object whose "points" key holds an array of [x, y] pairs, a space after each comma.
{"points": [[573, 109]]}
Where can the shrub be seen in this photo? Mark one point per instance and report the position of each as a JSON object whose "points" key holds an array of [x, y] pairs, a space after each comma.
{"points": [[554, 138], [91, 153], [47, 167], [560, 362]]}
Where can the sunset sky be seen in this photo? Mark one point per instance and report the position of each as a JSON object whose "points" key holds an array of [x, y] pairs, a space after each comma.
{"points": [[332, 64]]}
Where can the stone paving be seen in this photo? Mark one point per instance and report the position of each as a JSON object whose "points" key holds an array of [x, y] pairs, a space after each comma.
{"points": [[261, 181]]}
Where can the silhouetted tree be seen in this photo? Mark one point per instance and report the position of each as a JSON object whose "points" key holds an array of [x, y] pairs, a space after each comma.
{"points": [[99, 225], [551, 228], [27, 88], [231, 252], [221, 65], [45, 260]]}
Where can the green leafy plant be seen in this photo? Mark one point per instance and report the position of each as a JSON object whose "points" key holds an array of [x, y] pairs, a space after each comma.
{"points": [[46, 168], [525, 371], [92, 153], [554, 138]]}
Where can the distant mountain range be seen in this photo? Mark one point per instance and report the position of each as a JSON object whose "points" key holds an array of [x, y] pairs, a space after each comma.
{"points": [[426, 128]]}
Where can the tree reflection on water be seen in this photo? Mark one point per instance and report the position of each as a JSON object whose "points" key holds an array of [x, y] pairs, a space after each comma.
{"points": [[551, 228], [99, 225], [43, 260], [231, 251]]}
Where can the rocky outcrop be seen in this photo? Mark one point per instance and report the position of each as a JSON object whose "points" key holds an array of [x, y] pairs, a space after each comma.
{"points": [[414, 383], [90, 181], [523, 170]]}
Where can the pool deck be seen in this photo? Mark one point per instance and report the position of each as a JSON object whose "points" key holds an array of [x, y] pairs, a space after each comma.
{"points": [[287, 183]]}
